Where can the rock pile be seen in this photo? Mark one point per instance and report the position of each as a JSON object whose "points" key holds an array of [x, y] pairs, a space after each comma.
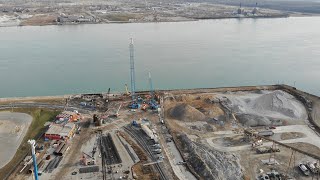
{"points": [[211, 164], [186, 113]]}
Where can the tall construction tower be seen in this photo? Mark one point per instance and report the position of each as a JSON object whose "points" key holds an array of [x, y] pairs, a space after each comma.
{"points": [[35, 168], [151, 86], [133, 80]]}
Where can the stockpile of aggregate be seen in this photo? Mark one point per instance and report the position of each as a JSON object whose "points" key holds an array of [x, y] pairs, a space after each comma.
{"points": [[211, 164], [186, 112], [265, 107], [281, 102]]}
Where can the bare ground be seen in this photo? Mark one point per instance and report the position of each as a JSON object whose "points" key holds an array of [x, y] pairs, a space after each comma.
{"points": [[39, 20], [291, 135]]}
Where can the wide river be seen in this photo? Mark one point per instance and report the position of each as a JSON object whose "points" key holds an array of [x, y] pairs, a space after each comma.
{"points": [[55, 60]]}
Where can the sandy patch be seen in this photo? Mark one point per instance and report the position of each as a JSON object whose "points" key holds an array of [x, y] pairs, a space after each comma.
{"points": [[13, 127]]}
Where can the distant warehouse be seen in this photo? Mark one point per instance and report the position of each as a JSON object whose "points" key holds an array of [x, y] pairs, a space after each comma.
{"points": [[57, 131]]}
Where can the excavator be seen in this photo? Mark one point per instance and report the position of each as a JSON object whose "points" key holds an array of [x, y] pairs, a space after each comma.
{"points": [[117, 113], [127, 91]]}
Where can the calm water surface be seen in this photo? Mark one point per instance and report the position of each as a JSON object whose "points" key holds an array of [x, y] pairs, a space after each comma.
{"points": [[54, 60]]}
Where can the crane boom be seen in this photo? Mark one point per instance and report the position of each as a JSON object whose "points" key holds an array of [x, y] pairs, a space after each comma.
{"points": [[151, 86], [117, 113], [127, 91], [34, 159], [108, 97]]}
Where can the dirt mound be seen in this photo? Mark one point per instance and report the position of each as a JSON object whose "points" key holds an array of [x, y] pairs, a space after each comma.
{"points": [[253, 120], [186, 112], [265, 108], [280, 102]]}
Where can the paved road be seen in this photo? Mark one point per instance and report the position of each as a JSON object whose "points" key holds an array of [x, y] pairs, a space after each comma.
{"points": [[42, 105], [174, 157], [311, 138], [173, 154]]}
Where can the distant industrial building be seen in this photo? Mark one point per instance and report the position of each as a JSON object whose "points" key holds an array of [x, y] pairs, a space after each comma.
{"points": [[67, 116], [74, 19]]}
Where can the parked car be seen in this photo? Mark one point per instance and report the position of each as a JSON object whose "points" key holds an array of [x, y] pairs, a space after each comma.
{"points": [[304, 169], [317, 165], [181, 162], [264, 177], [312, 168], [160, 157], [156, 145]]}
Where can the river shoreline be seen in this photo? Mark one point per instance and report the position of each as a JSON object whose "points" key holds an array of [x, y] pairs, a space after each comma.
{"points": [[140, 22]]}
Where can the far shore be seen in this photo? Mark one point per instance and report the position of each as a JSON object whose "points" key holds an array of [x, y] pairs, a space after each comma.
{"points": [[182, 20]]}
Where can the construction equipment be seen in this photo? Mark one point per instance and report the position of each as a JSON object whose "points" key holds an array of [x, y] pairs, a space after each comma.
{"points": [[153, 103], [151, 87], [134, 123], [144, 106], [139, 99], [257, 142], [108, 98], [133, 81], [127, 91], [263, 150], [134, 105], [117, 112], [32, 143], [86, 159]]}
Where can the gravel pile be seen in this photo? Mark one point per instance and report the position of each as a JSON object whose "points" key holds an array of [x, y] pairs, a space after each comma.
{"points": [[186, 112], [281, 102], [265, 107]]}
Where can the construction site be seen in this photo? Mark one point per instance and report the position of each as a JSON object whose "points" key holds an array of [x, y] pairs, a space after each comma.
{"points": [[252, 132]]}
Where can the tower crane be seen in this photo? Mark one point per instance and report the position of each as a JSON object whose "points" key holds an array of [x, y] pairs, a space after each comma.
{"points": [[132, 71], [32, 143], [134, 104], [153, 104], [108, 97]]}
